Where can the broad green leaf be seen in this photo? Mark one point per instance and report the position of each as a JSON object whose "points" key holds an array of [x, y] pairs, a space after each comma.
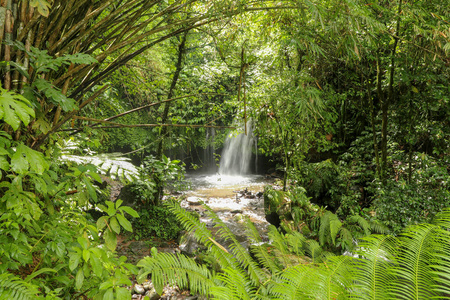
{"points": [[101, 222], [39, 272], [86, 255], [125, 223], [19, 163], [74, 260], [4, 164], [110, 240], [79, 278], [129, 211], [122, 293], [83, 242], [119, 203], [15, 108], [109, 295], [114, 225], [26, 158], [55, 95], [96, 265]]}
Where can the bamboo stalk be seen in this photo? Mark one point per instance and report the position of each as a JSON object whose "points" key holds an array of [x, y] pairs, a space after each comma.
{"points": [[8, 34]]}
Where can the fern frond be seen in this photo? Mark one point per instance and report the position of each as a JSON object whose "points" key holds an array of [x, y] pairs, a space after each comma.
{"points": [[202, 234], [329, 227], [313, 250], [378, 227], [180, 270], [118, 167], [374, 270], [252, 232], [333, 279], [265, 258], [12, 287], [363, 223], [296, 241], [417, 254], [235, 285], [242, 255], [292, 283], [442, 218]]}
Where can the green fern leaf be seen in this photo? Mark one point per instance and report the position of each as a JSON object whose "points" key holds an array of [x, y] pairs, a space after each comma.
{"points": [[12, 287], [241, 253], [374, 273], [168, 268]]}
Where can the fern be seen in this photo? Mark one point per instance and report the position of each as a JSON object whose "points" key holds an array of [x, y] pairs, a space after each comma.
{"points": [[202, 234], [12, 287], [329, 228], [241, 253], [235, 285], [374, 275], [167, 268], [417, 255]]}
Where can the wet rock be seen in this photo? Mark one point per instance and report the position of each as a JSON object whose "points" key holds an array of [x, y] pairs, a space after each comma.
{"points": [[259, 194], [236, 211], [250, 196], [139, 289], [147, 285], [189, 245], [194, 201], [277, 206], [152, 294]]}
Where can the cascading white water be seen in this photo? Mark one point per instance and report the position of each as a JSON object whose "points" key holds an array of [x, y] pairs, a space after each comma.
{"points": [[237, 153], [209, 152]]}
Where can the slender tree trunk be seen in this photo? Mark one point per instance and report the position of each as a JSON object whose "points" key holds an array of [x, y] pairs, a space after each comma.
{"points": [[374, 132], [388, 99], [159, 153]]}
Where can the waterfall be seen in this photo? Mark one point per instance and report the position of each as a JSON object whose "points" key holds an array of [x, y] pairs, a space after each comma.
{"points": [[237, 153], [209, 161]]}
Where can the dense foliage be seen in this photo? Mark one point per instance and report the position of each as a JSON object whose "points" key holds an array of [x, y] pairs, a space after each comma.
{"points": [[350, 99]]}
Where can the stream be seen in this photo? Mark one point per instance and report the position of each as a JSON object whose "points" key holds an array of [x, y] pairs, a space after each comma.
{"points": [[231, 197]]}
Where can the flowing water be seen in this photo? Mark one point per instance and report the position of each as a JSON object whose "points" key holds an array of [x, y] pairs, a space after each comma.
{"points": [[236, 158], [233, 192]]}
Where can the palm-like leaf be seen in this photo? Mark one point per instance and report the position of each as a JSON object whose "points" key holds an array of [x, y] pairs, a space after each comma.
{"points": [[255, 273], [235, 285], [167, 268], [12, 287], [373, 274], [416, 258]]}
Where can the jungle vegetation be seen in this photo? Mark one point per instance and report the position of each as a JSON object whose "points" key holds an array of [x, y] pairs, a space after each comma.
{"points": [[350, 101]]}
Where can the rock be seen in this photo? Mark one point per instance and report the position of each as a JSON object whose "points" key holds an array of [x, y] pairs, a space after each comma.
{"points": [[189, 245], [277, 205], [194, 201], [236, 211], [147, 285], [152, 294], [139, 289], [259, 194], [192, 298], [251, 196]]}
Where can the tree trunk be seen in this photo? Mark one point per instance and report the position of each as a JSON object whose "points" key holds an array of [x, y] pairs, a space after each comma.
{"points": [[388, 99], [159, 153]]}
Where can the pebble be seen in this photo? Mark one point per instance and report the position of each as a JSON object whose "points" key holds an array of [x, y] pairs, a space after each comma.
{"points": [[139, 289]]}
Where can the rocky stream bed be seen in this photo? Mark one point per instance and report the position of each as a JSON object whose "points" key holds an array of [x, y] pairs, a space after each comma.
{"points": [[230, 197]]}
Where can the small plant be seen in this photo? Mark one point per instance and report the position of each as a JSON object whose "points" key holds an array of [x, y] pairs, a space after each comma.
{"points": [[156, 221]]}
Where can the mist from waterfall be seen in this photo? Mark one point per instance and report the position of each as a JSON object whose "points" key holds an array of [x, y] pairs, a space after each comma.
{"points": [[237, 152]]}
